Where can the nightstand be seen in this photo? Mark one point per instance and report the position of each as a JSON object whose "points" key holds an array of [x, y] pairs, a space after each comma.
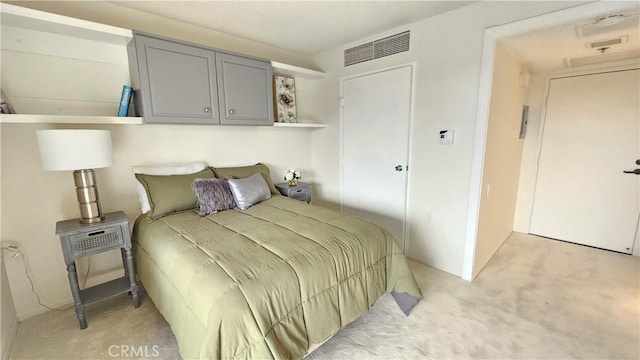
{"points": [[79, 240], [302, 191]]}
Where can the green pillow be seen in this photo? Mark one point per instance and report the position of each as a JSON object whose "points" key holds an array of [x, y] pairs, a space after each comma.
{"points": [[171, 193], [241, 172]]}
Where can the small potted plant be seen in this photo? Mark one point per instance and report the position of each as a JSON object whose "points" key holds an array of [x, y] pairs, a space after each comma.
{"points": [[292, 176]]}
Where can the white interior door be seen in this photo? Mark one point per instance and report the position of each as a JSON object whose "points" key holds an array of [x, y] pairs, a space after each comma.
{"points": [[591, 135], [375, 146]]}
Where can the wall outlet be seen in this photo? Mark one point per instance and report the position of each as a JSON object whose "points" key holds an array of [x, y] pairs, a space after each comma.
{"points": [[13, 250]]}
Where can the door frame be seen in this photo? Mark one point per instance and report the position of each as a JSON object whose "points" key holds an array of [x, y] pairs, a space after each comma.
{"points": [[413, 66], [491, 37]]}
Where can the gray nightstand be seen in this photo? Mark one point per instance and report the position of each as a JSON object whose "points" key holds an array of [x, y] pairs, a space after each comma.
{"points": [[301, 192], [79, 240]]}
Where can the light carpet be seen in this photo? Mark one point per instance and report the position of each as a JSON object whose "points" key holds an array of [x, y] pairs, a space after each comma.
{"points": [[537, 298]]}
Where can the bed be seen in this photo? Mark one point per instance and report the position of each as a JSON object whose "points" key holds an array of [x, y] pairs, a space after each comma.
{"points": [[269, 281]]}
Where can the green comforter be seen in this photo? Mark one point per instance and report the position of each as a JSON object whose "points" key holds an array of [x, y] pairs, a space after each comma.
{"points": [[266, 282]]}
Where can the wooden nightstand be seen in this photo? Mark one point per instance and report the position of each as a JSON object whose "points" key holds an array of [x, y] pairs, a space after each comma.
{"points": [[301, 192], [79, 240]]}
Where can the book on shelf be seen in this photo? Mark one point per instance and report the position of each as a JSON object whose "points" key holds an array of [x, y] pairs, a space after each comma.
{"points": [[125, 100]]}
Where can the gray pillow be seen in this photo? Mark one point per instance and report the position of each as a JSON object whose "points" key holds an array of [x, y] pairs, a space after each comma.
{"points": [[213, 195], [249, 191]]}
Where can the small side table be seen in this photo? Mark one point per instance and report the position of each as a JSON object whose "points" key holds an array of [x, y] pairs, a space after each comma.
{"points": [[301, 191], [79, 240]]}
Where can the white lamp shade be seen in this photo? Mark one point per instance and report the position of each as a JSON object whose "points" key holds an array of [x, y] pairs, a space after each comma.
{"points": [[75, 149]]}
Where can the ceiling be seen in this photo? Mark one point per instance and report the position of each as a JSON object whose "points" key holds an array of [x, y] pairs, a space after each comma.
{"points": [[305, 27], [549, 49]]}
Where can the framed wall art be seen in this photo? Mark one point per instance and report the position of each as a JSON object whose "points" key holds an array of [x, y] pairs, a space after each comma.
{"points": [[5, 105], [284, 96]]}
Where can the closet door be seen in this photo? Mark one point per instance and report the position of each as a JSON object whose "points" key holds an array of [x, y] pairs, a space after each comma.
{"points": [[376, 113]]}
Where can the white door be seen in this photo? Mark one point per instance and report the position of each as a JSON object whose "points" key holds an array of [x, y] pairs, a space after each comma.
{"points": [[375, 147], [591, 135]]}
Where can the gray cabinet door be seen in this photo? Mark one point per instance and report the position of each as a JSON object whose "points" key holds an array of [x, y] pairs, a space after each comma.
{"points": [[177, 82], [244, 90]]}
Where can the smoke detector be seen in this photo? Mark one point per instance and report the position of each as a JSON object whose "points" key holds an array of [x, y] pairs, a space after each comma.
{"points": [[607, 24], [609, 20]]}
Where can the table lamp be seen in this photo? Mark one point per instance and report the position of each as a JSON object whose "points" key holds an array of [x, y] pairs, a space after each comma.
{"points": [[80, 151]]}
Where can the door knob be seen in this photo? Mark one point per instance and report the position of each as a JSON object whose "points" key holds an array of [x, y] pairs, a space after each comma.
{"points": [[399, 168], [636, 171], [207, 109], [232, 111], [638, 162]]}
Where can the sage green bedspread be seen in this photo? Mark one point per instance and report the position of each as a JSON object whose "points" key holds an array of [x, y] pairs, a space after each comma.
{"points": [[266, 282]]}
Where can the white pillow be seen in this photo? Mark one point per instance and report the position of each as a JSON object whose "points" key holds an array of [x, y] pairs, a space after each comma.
{"points": [[166, 169]]}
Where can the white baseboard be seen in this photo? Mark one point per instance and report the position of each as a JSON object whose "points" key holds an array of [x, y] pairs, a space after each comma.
{"points": [[41, 309]]}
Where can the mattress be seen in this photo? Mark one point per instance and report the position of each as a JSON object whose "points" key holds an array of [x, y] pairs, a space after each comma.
{"points": [[269, 281]]}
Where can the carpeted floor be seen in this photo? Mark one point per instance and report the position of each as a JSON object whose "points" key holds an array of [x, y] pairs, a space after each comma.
{"points": [[537, 298]]}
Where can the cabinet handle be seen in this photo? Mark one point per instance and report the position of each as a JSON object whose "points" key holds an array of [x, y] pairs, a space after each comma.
{"points": [[232, 111], [207, 109], [96, 233]]}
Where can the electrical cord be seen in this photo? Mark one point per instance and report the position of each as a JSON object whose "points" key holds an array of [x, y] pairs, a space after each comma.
{"points": [[635, 237], [27, 271], [86, 275]]}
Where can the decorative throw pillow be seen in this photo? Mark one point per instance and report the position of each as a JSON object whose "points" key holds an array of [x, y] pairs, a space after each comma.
{"points": [[166, 169], [171, 193], [240, 172], [213, 195], [249, 191]]}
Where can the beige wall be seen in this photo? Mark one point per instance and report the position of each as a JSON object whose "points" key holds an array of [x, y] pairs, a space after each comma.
{"points": [[33, 200], [528, 168], [503, 155], [447, 51], [8, 317]]}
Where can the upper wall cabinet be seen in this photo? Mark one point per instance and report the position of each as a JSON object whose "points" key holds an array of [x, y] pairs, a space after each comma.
{"points": [[58, 69], [244, 90], [173, 83], [177, 83]]}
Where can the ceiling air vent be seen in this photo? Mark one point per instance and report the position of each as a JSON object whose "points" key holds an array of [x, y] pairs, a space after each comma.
{"points": [[376, 49], [603, 58], [606, 43]]}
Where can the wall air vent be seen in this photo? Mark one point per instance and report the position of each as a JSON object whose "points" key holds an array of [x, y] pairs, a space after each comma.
{"points": [[376, 49], [358, 54]]}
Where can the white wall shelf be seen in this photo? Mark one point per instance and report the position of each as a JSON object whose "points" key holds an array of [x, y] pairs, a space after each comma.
{"points": [[300, 125], [21, 17], [296, 71], [68, 119]]}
